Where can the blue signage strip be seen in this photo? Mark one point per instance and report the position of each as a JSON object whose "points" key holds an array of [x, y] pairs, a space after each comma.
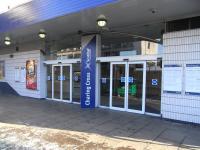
{"points": [[192, 65], [192, 93], [172, 92], [172, 66], [88, 74]]}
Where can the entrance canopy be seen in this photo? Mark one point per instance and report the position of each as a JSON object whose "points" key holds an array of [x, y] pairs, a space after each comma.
{"points": [[62, 19]]}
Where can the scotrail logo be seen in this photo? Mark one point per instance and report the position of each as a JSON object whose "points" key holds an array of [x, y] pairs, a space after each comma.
{"points": [[88, 58]]}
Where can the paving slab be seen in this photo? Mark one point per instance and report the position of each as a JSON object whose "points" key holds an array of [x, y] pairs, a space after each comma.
{"points": [[27, 123]]}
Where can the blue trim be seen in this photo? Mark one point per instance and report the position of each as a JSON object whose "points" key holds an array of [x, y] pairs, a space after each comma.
{"points": [[192, 65], [172, 92], [172, 66], [192, 93], [41, 10]]}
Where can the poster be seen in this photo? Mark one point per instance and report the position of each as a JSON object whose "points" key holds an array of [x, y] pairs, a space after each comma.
{"points": [[192, 79], [31, 75], [172, 78]]}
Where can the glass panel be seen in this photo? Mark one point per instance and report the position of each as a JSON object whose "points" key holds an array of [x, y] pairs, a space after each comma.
{"points": [[49, 81], [153, 87], [118, 94], [66, 82], [135, 84], [57, 71], [105, 84], [76, 83], [148, 41]]}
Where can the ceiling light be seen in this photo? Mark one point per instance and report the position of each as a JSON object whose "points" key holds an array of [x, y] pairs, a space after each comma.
{"points": [[101, 21], [42, 34], [7, 41]]}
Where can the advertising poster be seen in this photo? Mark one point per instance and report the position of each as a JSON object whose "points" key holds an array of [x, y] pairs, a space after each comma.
{"points": [[192, 79], [31, 75], [172, 75]]}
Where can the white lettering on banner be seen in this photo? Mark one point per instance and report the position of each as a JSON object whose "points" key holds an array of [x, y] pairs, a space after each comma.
{"points": [[88, 89], [88, 59]]}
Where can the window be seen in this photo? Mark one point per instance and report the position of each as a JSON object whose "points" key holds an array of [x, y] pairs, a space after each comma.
{"points": [[2, 70], [183, 24]]}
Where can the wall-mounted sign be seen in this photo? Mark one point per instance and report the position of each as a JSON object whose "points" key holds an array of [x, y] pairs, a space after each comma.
{"points": [[172, 78], [17, 74], [23, 74], [88, 71], [192, 79], [31, 75]]}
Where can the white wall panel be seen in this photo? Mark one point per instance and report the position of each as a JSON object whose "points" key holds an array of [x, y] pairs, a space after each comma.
{"points": [[181, 48], [19, 60]]}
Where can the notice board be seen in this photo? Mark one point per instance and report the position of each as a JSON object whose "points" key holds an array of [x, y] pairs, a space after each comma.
{"points": [[192, 79], [172, 79]]}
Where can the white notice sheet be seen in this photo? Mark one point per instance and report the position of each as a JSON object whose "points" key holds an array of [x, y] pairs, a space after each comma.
{"points": [[192, 79], [172, 79]]}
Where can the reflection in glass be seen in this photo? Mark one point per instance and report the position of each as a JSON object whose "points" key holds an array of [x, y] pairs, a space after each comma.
{"points": [[135, 86], [66, 82], [57, 73], [118, 84], [49, 81], [105, 84], [153, 87], [76, 82]]}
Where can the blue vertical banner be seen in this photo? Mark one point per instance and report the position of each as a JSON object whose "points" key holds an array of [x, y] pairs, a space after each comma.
{"points": [[88, 71]]}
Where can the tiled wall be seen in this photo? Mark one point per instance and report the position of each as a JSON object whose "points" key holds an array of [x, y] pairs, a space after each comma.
{"points": [[19, 60], [181, 48]]}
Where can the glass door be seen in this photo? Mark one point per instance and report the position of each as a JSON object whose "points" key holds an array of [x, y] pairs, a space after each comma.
{"points": [[136, 77], [56, 82], [62, 82], [118, 85], [66, 79], [49, 81], [127, 86]]}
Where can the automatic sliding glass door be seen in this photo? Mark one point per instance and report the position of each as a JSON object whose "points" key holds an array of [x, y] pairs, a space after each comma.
{"points": [[62, 83], [118, 85], [66, 83], [136, 87], [127, 86], [56, 82]]}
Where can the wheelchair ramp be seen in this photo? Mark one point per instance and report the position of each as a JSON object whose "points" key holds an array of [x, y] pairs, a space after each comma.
{"points": [[6, 89]]}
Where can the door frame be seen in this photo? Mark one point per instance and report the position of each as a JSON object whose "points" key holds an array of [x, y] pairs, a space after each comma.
{"points": [[61, 82], [143, 88], [111, 85], [127, 63]]}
